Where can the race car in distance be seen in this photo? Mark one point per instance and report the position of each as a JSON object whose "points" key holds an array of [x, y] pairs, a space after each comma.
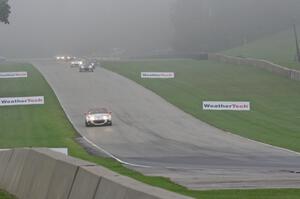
{"points": [[60, 58], [76, 63], [98, 117], [64, 58], [95, 62], [87, 67]]}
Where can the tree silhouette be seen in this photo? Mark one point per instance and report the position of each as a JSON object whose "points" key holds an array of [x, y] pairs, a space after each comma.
{"points": [[4, 11]]}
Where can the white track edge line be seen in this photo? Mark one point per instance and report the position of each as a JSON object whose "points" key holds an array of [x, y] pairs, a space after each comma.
{"points": [[114, 157]]}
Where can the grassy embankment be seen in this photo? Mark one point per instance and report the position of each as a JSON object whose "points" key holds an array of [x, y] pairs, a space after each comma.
{"points": [[279, 48], [275, 105], [4, 195], [47, 126]]}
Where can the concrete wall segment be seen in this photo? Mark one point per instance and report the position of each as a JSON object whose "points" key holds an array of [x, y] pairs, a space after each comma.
{"points": [[44, 174], [85, 185], [110, 189], [259, 63], [27, 177], [132, 186], [14, 170], [62, 180], [62, 157]]}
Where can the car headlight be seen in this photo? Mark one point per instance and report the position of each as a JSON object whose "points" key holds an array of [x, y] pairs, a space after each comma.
{"points": [[107, 117], [90, 118]]}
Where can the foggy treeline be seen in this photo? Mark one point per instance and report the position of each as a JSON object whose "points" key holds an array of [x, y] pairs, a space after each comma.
{"points": [[139, 27], [212, 25], [46, 28], [4, 11]]}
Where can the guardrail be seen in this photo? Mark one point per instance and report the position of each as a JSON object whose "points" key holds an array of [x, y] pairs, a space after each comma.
{"points": [[260, 63], [45, 174]]}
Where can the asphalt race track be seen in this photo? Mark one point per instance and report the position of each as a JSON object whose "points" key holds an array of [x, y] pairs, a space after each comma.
{"points": [[156, 138]]}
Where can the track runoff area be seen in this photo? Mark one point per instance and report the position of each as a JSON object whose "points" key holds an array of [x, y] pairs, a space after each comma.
{"points": [[156, 138]]}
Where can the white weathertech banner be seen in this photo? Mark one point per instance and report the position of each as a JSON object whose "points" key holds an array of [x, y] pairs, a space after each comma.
{"points": [[4, 75], [227, 106], [60, 150], [12, 101], [161, 75]]}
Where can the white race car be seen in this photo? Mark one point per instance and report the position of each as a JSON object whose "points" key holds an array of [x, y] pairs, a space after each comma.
{"points": [[76, 63], [86, 67], [98, 117], [64, 58], [60, 58]]}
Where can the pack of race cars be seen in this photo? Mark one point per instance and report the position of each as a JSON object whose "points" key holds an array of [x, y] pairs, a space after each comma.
{"points": [[83, 64], [95, 116]]}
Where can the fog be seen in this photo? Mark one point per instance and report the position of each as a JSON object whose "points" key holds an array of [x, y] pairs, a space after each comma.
{"points": [[43, 28], [214, 25]]}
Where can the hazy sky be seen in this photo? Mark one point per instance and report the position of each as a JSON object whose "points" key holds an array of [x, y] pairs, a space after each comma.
{"points": [[41, 28]]}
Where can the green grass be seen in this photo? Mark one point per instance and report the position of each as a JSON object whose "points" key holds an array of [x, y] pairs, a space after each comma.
{"points": [[30, 125], [279, 48], [275, 105], [47, 126], [5, 195]]}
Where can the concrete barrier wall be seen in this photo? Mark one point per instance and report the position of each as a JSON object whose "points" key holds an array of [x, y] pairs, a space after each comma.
{"points": [[14, 170], [85, 185], [295, 75], [115, 186], [44, 174], [259, 63]]}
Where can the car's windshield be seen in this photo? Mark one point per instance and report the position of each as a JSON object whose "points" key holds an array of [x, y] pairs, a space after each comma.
{"points": [[100, 111]]}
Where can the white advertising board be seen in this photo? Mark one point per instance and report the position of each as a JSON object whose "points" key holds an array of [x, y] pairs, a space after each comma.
{"points": [[60, 150], [5, 75], [227, 106], [160, 75], [13, 101]]}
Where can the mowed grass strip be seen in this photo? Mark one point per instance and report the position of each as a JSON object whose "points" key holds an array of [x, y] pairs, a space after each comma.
{"points": [[31, 125], [5, 195], [275, 101], [47, 126], [279, 48]]}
